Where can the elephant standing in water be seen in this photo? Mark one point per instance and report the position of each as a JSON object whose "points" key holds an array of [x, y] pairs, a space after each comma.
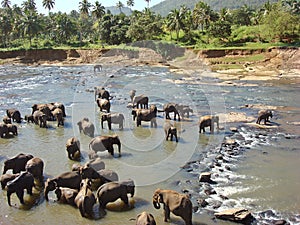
{"points": [[264, 115], [86, 127], [100, 92], [110, 192], [66, 195], [103, 143], [208, 121], [40, 118], [178, 204], [115, 118], [3, 130], [58, 115], [103, 104], [35, 166], [14, 114], [17, 163], [169, 108], [170, 131], [145, 115], [73, 148], [24, 181]]}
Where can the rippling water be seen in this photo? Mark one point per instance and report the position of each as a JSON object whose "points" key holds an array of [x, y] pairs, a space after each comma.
{"points": [[264, 177]]}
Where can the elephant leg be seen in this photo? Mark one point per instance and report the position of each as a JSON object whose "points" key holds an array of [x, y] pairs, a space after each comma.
{"points": [[109, 125], [29, 190], [166, 213], [20, 195], [111, 150], [124, 198], [176, 137]]}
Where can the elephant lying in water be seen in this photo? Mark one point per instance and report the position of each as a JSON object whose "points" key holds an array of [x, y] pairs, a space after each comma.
{"points": [[178, 204]]}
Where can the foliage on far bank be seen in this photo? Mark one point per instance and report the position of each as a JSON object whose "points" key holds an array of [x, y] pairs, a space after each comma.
{"points": [[22, 27]]}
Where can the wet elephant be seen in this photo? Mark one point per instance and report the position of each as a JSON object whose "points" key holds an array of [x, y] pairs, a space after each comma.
{"points": [[68, 179], [29, 118], [140, 101], [264, 115], [100, 92], [145, 218], [66, 195], [35, 166], [44, 108], [86, 127], [12, 128], [110, 192], [14, 114], [61, 106], [103, 143], [171, 108], [145, 115], [5, 178], [170, 131], [184, 110], [24, 181], [17, 163], [85, 199], [103, 104], [6, 120], [3, 130], [58, 115], [40, 118], [73, 148], [177, 203], [113, 118], [208, 121]]}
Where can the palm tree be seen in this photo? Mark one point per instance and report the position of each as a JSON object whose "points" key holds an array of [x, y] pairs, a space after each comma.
{"points": [[98, 10], [130, 3], [29, 5], [175, 21], [148, 2], [5, 3], [84, 7], [31, 25], [48, 4], [201, 14], [120, 5]]}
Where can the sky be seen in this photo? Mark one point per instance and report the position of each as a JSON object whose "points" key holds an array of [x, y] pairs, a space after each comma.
{"points": [[69, 5]]}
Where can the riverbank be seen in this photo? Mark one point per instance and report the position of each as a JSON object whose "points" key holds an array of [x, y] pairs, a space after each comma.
{"points": [[234, 64]]}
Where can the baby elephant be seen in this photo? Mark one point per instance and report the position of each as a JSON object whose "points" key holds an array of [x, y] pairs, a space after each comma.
{"points": [[145, 218], [264, 115], [170, 131], [73, 148]]}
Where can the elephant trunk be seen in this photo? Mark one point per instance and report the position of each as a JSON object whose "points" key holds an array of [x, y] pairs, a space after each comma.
{"points": [[119, 148], [102, 120], [156, 205]]}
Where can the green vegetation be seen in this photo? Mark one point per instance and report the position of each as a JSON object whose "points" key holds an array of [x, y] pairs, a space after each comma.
{"points": [[200, 27]]}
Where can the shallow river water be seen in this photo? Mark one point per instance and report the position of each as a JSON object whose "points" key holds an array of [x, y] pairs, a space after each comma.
{"points": [[264, 177]]}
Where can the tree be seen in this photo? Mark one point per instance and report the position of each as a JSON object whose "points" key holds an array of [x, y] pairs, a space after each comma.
{"points": [[31, 25], [29, 5], [5, 28], [130, 3], [220, 29], [5, 3], [148, 3], [120, 5], [65, 27], [242, 16], [98, 10], [201, 15], [84, 7], [48, 4], [174, 21]]}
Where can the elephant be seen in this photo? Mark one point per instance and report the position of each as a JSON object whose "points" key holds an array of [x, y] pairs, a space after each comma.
{"points": [[17, 163], [102, 143], [103, 104], [66, 195], [5, 178], [169, 108], [73, 148], [29, 118], [70, 179], [44, 108], [97, 67], [101, 93], [59, 106], [85, 198], [35, 166], [111, 191], [145, 218], [184, 110], [178, 204], [24, 181], [86, 127], [40, 118], [208, 121], [170, 131], [3, 130], [145, 115], [115, 118], [264, 115], [58, 115], [12, 128], [14, 114], [97, 164], [140, 100], [132, 94], [109, 175], [6, 120]]}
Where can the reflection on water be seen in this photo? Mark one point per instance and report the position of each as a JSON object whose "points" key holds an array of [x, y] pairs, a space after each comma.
{"points": [[263, 177]]}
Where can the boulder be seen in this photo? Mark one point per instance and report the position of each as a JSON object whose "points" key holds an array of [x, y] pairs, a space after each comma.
{"points": [[240, 215], [205, 177]]}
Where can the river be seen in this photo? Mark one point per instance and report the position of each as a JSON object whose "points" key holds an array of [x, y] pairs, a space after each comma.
{"points": [[264, 177]]}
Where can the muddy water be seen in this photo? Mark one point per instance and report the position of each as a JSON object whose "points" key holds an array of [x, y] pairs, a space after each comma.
{"points": [[263, 177]]}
